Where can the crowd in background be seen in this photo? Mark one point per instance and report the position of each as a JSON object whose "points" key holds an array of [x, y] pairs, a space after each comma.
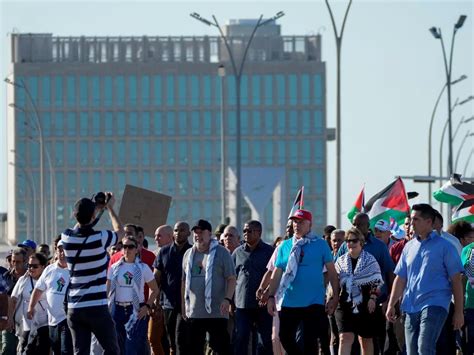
{"points": [[364, 290]]}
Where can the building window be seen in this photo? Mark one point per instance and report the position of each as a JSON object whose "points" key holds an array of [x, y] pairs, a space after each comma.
{"points": [[306, 151], [170, 90], [256, 89], [305, 90], [244, 90], [119, 91], [183, 153], [83, 124], [281, 123], [319, 151], [96, 131], [108, 91], [157, 89], [145, 154], [268, 90], [158, 152], [96, 153], [293, 94], [183, 183], [293, 129], [318, 89], [71, 153], [182, 99], [132, 90], [171, 151], [46, 90], [231, 99], [280, 89], [71, 91], [83, 152], [194, 90], [109, 153], [305, 122], [58, 91], [256, 123], [318, 122], [157, 124], [121, 153], [83, 91], [58, 153], [182, 123], [207, 123], [133, 152], [132, 123], [170, 124], [109, 124], [121, 124], [145, 92], [95, 95], [207, 99], [145, 129], [46, 124], [268, 157]]}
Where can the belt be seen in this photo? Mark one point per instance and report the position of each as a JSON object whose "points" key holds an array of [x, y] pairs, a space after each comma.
{"points": [[124, 304]]}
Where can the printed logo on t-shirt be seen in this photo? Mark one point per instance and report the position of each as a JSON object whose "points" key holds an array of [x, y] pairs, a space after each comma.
{"points": [[198, 268], [60, 284], [128, 277]]}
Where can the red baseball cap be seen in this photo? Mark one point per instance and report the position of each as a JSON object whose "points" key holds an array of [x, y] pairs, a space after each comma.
{"points": [[302, 214]]}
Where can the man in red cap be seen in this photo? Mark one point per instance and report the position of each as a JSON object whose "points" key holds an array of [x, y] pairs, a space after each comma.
{"points": [[297, 287]]}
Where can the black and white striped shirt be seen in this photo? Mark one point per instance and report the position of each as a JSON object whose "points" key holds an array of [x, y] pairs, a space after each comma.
{"points": [[88, 280]]}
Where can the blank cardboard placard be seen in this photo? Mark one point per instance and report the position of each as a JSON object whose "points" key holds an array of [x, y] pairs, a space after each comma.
{"points": [[147, 208]]}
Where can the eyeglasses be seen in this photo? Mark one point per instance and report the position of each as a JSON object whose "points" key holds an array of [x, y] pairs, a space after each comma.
{"points": [[129, 246], [352, 241], [33, 266]]}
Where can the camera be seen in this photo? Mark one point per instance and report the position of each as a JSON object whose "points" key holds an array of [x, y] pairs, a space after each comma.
{"points": [[101, 199]]}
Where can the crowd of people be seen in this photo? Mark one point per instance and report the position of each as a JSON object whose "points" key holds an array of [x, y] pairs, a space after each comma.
{"points": [[360, 291]]}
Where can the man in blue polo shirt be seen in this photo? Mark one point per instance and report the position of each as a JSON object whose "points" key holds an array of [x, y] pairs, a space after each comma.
{"points": [[428, 274], [297, 287]]}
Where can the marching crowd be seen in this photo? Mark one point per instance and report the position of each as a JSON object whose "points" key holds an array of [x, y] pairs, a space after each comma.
{"points": [[360, 291]]}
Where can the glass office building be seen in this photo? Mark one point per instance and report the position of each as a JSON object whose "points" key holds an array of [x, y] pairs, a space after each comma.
{"points": [[146, 111]]}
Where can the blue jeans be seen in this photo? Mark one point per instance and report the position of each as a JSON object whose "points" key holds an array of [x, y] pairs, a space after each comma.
{"points": [[244, 321], [61, 340], [422, 330], [136, 342]]}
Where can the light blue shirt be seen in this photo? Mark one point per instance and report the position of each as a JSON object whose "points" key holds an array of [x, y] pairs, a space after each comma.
{"points": [[308, 286], [427, 266]]}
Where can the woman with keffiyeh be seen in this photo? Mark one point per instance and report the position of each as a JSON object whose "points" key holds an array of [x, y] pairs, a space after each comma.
{"points": [[360, 280], [125, 287]]}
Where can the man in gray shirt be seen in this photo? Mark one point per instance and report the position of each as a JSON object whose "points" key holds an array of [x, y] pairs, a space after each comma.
{"points": [[207, 288], [251, 260]]}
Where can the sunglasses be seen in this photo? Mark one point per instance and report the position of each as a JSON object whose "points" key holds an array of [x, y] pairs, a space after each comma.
{"points": [[33, 266], [352, 241], [129, 246]]}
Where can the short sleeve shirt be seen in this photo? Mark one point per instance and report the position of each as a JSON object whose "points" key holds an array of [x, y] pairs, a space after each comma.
{"points": [[308, 286], [126, 273], [250, 266], [427, 266], [54, 281], [223, 268]]}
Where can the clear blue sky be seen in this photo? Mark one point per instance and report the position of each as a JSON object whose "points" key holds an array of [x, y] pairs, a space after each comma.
{"points": [[392, 71]]}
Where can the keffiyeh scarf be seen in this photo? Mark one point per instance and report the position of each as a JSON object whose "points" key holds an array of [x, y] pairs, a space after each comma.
{"points": [[366, 272], [292, 265], [207, 279], [136, 283], [469, 267]]}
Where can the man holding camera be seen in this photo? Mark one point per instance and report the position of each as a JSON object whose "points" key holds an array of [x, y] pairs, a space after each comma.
{"points": [[86, 255]]}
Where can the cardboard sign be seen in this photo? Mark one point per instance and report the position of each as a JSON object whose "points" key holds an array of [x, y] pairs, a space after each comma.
{"points": [[147, 208]]}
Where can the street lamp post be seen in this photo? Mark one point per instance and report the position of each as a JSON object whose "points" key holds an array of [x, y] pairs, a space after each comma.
{"points": [[42, 209], [436, 32], [468, 134], [31, 183], [238, 76], [221, 74], [461, 78], [338, 106]]}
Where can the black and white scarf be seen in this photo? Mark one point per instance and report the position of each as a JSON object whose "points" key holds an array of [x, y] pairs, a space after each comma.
{"points": [[366, 272]]}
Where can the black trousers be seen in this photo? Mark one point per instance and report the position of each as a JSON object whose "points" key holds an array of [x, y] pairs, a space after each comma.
{"points": [[219, 340], [85, 321], [39, 345], [176, 331], [315, 325]]}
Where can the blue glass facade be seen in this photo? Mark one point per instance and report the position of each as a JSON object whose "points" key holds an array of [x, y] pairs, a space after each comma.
{"points": [[161, 131]]}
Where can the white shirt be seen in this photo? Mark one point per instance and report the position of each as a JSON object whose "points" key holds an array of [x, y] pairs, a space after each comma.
{"points": [[54, 281], [124, 290], [22, 292]]}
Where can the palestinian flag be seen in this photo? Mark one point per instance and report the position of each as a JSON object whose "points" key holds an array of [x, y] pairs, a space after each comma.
{"points": [[299, 203], [391, 202], [464, 212], [358, 205], [454, 191]]}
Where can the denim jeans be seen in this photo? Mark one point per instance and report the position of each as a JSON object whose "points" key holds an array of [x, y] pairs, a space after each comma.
{"points": [[61, 340], [87, 320], [136, 342], [422, 330], [244, 321]]}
